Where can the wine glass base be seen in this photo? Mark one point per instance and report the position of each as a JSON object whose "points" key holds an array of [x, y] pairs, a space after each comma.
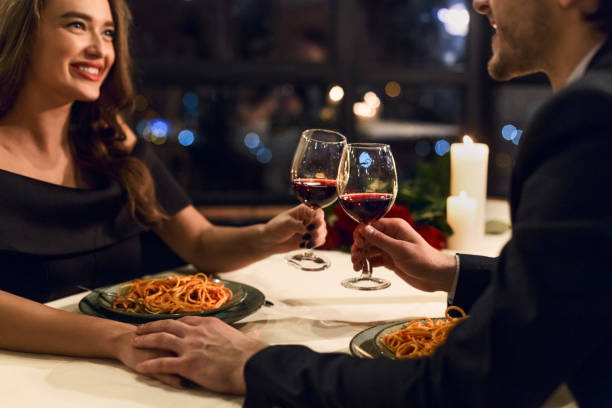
{"points": [[362, 283], [307, 262]]}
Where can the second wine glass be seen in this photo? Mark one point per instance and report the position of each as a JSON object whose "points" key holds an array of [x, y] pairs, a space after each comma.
{"points": [[367, 187], [313, 176]]}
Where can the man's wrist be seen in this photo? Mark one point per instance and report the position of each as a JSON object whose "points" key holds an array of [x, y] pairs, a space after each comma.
{"points": [[250, 353]]}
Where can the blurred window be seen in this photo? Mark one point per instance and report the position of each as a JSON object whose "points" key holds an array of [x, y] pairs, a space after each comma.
{"points": [[227, 86], [410, 102], [418, 33], [412, 119], [233, 30], [220, 140]]}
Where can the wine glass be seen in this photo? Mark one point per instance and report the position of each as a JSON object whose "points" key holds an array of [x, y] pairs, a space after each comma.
{"points": [[313, 177], [367, 187]]}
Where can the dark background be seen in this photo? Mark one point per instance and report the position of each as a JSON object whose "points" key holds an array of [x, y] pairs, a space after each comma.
{"points": [[226, 87]]}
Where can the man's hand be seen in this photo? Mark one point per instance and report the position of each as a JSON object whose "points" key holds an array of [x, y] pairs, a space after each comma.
{"points": [[205, 351], [393, 243]]}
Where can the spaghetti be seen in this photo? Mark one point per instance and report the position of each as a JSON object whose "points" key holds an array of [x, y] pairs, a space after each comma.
{"points": [[176, 294], [420, 337]]}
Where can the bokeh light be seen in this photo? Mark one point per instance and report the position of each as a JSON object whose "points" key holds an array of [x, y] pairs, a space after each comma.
{"points": [[442, 147], [252, 140], [365, 160], [336, 93], [393, 89], [371, 99], [517, 137], [264, 155], [186, 137], [509, 132], [159, 127], [456, 19], [363, 110]]}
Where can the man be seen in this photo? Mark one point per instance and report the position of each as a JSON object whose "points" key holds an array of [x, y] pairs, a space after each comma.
{"points": [[537, 313]]}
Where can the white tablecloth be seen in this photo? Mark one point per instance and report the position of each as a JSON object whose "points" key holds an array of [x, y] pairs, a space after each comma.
{"points": [[310, 308]]}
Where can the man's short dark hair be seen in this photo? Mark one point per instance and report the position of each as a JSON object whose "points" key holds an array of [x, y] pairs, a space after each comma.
{"points": [[603, 16]]}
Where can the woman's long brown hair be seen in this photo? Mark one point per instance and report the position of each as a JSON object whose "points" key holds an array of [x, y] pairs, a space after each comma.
{"points": [[95, 130]]}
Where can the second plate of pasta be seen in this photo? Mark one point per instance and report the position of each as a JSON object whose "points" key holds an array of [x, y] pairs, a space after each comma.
{"points": [[413, 338]]}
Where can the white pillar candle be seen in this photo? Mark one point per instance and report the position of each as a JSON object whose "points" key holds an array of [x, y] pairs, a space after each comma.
{"points": [[469, 163], [461, 212]]}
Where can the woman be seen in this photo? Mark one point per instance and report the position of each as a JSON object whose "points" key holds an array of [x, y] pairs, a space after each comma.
{"points": [[79, 191]]}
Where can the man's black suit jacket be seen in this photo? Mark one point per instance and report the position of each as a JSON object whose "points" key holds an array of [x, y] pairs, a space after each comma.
{"points": [[539, 312]]}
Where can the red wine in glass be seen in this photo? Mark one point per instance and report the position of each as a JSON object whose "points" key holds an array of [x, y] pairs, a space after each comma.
{"points": [[367, 186], [314, 171], [315, 193], [366, 207]]}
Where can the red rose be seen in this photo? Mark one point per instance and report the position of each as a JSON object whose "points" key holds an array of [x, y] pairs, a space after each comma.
{"points": [[432, 235]]}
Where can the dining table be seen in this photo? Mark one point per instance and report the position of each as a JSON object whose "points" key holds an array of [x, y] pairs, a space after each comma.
{"points": [[307, 308]]}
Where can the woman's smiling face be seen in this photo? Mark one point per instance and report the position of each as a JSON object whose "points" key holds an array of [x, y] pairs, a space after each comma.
{"points": [[73, 50]]}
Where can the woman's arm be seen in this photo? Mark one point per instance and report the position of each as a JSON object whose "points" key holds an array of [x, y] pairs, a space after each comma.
{"points": [[32, 327], [215, 248], [29, 326]]}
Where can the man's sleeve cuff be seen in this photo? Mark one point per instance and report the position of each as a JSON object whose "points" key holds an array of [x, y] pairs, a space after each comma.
{"points": [[453, 288]]}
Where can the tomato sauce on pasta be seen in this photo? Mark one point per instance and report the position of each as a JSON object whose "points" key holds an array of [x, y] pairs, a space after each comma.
{"points": [[420, 337], [176, 294]]}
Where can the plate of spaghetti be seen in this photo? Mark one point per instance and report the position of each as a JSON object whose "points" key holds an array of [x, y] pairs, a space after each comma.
{"points": [[172, 295], [419, 337], [414, 338]]}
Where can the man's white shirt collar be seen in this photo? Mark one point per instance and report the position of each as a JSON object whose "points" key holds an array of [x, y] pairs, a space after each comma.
{"points": [[583, 64]]}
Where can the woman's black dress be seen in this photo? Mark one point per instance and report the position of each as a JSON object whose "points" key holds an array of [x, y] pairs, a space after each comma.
{"points": [[53, 238]]}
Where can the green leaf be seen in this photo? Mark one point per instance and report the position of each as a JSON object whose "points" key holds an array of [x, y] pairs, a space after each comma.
{"points": [[426, 192]]}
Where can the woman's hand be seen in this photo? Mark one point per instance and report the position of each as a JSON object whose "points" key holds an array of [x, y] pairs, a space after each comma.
{"points": [[298, 227], [131, 356], [204, 350], [393, 243]]}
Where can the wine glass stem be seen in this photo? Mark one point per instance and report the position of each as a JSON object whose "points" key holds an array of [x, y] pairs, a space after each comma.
{"points": [[366, 272], [309, 253]]}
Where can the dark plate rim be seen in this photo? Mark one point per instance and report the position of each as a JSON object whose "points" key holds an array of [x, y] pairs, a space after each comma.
{"points": [[254, 300], [358, 350], [369, 340], [239, 297]]}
